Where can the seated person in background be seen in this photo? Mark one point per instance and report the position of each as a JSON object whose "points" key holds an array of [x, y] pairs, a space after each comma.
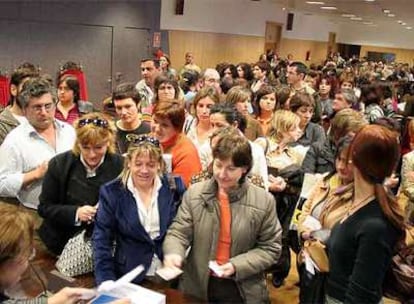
{"points": [[16, 252], [70, 189], [135, 211], [26, 151], [70, 107], [230, 221], [303, 105], [167, 126], [13, 115], [126, 101], [240, 97]]}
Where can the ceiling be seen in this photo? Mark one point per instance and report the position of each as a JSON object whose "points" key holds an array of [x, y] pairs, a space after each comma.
{"points": [[371, 12]]}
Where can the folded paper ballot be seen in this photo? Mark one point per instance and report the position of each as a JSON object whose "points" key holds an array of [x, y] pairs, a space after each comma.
{"points": [[122, 288], [169, 273], [215, 268]]}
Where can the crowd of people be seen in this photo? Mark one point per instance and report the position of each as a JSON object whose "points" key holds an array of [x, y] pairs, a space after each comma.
{"points": [[202, 170]]}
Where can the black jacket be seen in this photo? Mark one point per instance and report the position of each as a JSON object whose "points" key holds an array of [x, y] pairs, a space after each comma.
{"points": [[64, 189]]}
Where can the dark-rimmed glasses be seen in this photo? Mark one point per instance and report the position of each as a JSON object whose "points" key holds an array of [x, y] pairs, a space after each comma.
{"points": [[102, 123], [139, 139]]}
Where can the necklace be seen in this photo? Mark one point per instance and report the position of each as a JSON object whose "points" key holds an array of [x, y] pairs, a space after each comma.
{"points": [[354, 207]]}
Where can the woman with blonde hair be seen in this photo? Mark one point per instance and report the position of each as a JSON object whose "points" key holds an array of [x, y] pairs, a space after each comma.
{"points": [[135, 211], [69, 196], [284, 182]]}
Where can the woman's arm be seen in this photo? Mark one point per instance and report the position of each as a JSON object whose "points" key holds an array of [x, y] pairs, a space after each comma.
{"points": [[103, 236], [180, 234], [268, 245], [50, 205]]}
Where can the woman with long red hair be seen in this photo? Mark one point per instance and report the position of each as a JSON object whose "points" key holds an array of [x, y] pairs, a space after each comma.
{"points": [[362, 244]]}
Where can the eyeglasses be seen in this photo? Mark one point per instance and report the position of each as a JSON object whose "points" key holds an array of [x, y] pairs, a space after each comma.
{"points": [[139, 139], [102, 123], [48, 107]]}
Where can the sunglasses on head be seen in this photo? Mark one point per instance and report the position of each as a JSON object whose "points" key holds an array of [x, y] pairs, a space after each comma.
{"points": [[102, 123], [139, 139]]}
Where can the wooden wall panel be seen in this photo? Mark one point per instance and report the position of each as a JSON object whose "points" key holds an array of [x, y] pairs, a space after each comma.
{"points": [[401, 55], [298, 49], [212, 48]]}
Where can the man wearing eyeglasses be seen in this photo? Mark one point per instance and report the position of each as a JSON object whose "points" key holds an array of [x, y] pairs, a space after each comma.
{"points": [[26, 150]]}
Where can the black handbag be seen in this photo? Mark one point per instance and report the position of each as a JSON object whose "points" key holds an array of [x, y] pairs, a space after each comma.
{"points": [[312, 286]]}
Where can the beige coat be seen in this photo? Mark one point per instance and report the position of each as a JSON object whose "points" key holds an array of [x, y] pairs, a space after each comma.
{"points": [[336, 200], [255, 238], [406, 193]]}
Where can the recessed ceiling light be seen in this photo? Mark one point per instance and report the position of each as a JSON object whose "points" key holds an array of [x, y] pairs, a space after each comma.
{"points": [[399, 21], [386, 11], [348, 15], [369, 0], [368, 23], [403, 23], [315, 2], [409, 27], [391, 15], [356, 18], [332, 8]]}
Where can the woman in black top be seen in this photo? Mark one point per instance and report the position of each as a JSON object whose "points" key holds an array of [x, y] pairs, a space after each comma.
{"points": [[69, 197], [362, 244]]}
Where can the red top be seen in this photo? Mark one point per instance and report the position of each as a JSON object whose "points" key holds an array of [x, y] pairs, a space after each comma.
{"points": [[224, 241], [72, 115], [185, 159]]}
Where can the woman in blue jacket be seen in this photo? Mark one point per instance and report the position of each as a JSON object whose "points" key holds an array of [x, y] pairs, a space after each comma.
{"points": [[134, 213]]}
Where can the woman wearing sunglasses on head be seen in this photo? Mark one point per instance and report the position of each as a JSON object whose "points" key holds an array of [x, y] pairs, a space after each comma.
{"points": [[69, 196], [135, 211]]}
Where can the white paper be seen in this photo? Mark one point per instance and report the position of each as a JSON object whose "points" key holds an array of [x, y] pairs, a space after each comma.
{"points": [[309, 265], [401, 106], [137, 294], [169, 273], [215, 268], [312, 223], [309, 183]]}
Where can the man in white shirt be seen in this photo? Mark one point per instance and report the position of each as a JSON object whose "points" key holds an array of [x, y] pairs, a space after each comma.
{"points": [[26, 150], [150, 69]]}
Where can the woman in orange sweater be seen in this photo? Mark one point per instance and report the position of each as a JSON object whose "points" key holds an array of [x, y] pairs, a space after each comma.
{"points": [[167, 124]]}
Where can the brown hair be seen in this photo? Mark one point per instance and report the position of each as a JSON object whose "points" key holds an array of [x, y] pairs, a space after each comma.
{"points": [[16, 231], [238, 94], [237, 149], [97, 130], [375, 151], [173, 111], [301, 100], [203, 93], [345, 122]]}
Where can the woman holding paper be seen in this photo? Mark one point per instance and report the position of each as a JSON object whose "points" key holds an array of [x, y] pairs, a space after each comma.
{"points": [[16, 252], [134, 213], [231, 227]]}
